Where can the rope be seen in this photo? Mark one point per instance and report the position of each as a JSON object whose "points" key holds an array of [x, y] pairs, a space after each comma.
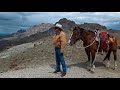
{"points": [[97, 51], [90, 45], [86, 46]]}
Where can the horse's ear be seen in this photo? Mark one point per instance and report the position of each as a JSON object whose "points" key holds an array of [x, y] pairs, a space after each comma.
{"points": [[81, 28], [75, 27]]}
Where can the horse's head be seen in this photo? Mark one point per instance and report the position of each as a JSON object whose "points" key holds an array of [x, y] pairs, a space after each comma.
{"points": [[75, 35]]}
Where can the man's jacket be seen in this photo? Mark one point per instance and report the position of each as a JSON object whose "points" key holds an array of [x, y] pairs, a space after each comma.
{"points": [[60, 41]]}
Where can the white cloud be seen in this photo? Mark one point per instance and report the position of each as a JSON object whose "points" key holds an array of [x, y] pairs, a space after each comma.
{"points": [[12, 19]]}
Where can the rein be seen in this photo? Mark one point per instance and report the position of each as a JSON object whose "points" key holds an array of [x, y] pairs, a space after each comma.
{"points": [[86, 46], [89, 44]]}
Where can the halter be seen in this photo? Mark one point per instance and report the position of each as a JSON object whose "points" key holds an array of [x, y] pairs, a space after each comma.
{"points": [[80, 38], [88, 45]]}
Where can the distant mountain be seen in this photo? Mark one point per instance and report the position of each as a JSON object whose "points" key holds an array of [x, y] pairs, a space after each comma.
{"points": [[4, 35], [67, 24], [21, 31], [92, 26], [46, 29], [18, 33], [32, 30], [115, 33], [32, 34], [38, 28]]}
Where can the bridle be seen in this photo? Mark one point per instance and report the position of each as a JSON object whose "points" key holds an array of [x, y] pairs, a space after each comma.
{"points": [[80, 37]]}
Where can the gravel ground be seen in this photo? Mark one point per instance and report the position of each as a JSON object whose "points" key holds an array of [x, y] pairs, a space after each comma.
{"points": [[28, 61], [16, 49], [46, 72]]}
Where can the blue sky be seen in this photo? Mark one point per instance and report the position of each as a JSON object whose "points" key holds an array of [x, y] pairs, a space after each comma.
{"points": [[12, 21]]}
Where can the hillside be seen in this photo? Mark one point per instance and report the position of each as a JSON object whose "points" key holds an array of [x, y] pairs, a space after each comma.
{"points": [[46, 29], [31, 31], [27, 61], [67, 24], [33, 56], [92, 26], [32, 34], [4, 36]]}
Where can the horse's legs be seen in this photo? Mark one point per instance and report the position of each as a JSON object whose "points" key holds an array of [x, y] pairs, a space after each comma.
{"points": [[93, 53], [88, 55], [115, 59], [108, 57]]}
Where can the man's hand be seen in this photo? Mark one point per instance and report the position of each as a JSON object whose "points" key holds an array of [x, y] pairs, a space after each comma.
{"points": [[58, 44], [61, 50], [61, 53]]}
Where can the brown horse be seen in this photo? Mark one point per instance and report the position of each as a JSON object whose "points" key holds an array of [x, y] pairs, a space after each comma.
{"points": [[90, 44], [112, 48]]}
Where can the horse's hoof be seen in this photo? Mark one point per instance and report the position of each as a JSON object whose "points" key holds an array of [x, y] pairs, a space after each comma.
{"points": [[88, 70], [115, 65], [107, 67], [114, 68], [92, 70]]}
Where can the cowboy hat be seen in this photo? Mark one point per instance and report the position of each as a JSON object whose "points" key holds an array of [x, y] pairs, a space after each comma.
{"points": [[59, 26]]}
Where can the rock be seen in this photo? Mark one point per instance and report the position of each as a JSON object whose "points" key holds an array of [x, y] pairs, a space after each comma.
{"points": [[20, 67], [67, 24], [13, 64], [52, 53], [37, 43]]}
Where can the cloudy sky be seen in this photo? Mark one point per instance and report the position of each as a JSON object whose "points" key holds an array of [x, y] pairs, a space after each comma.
{"points": [[12, 21]]}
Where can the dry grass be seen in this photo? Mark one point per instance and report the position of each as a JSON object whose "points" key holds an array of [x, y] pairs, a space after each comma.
{"points": [[44, 55]]}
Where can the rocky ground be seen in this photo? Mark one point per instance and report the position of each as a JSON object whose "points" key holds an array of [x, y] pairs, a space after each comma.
{"points": [[27, 61]]}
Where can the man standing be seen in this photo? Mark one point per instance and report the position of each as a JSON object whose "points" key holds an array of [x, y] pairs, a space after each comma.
{"points": [[59, 41]]}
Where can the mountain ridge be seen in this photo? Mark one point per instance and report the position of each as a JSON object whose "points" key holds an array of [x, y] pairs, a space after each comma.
{"points": [[47, 29]]}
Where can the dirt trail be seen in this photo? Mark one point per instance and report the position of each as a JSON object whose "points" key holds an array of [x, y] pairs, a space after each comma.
{"points": [[46, 72], [39, 62]]}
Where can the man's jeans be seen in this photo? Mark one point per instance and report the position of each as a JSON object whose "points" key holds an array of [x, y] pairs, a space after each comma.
{"points": [[60, 60]]}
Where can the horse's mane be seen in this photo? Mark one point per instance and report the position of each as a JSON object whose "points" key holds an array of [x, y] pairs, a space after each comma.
{"points": [[91, 31], [87, 30]]}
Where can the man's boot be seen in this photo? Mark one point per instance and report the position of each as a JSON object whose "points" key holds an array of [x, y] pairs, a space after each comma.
{"points": [[63, 74], [56, 71]]}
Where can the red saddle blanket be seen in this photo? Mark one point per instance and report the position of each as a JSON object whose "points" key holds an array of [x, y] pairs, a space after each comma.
{"points": [[103, 38]]}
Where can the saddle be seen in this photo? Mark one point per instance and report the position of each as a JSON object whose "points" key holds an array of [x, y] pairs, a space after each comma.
{"points": [[102, 38]]}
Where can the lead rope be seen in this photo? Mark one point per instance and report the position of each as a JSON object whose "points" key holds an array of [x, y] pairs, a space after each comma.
{"points": [[97, 51], [86, 46], [90, 45]]}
